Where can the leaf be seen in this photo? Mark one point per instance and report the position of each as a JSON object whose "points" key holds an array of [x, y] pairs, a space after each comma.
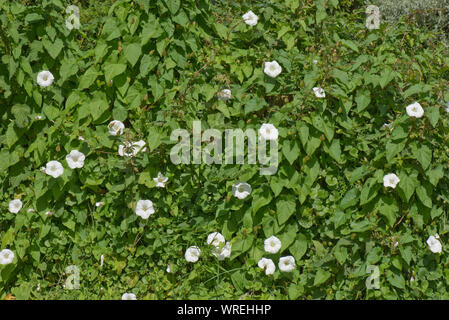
{"points": [[173, 5], [285, 207], [389, 209], [291, 151], [433, 113], [393, 148], [363, 98], [422, 153], [88, 78], [255, 104], [324, 126], [112, 70], [424, 193], [132, 53], [321, 277], [397, 280], [407, 185], [435, 174], [261, 197], [334, 151], [53, 48], [369, 191], [299, 247]]}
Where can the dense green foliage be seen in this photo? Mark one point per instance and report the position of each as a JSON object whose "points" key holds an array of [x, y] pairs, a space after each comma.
{"points": [[157, 66]]}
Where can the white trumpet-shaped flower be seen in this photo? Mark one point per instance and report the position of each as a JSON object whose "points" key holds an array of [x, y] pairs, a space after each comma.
{"points": [[54, 168], [144, 208], [434, 244], [250, 18], [241, 190], [415, 110], [319, 92], [272, 244], [116, 127], [75, 159], [267, 265], [45, 78], [272, 69], [268, 132], [160, 180], [6, 256], [287, 263], [192, 254], [391, 180], [15, 205]]}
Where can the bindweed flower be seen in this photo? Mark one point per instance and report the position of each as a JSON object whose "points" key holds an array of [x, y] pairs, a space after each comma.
{"points": [[15, 205], [144, 208], [267, 265], [129, 296], [250, 18], [54, 168], [415, 110], [75, 159], [99, 204], [272, 244], [101, 260], [192, 254], [160, 180], [131, 149], [319, 92], [45, 78], [6, 256], [241, 190], [222, 253], [268, 132], [224, 95], [387, 126], [391, 180], [169, 269], [80, 138], [116, 127], [287, 263], [272, 69], [215, 239], [434, 244], [48, 213]]}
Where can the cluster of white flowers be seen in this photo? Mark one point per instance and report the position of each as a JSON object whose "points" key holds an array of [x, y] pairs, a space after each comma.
{"points": [[75, 159], [272, 245], [222, 249]]}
